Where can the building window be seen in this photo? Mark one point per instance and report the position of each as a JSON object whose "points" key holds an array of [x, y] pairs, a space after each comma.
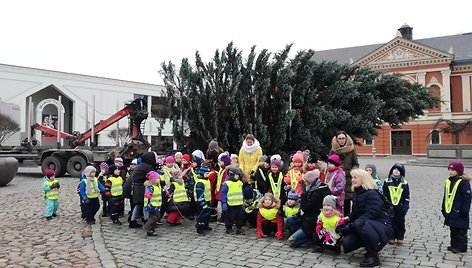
{"points": [[159, 107], [434, 137], [368, 141], [144, 97]]}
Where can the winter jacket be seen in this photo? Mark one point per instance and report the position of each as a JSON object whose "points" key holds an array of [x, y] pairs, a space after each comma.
{"points": [[261, 176], [311, 203], [369, 220], [336, 181], [148, 163], [298, 173], [350, 161], [459, 215], [171, 206], [404, 202], [249, 158]]}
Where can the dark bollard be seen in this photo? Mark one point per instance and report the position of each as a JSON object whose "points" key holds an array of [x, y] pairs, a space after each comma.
{"points": [[8, 169]]}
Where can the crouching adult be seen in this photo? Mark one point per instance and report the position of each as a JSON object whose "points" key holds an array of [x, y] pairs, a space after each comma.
{"points": [[369, 224]]}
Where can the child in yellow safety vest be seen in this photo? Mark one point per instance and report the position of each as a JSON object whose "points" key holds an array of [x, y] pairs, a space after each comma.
{"points": [[232, 200], [152, 201], [178, 204], [397, 191], [269, 220], [90, 189], [292, 211], [456, 206], [202, 193], [51, 194], [325, 231], [115, 198], [294, 176]]}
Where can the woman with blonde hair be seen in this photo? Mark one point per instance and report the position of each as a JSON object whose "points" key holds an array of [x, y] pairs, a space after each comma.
{"points": [[368, 224]]}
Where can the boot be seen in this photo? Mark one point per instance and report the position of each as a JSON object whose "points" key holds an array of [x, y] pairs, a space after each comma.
{"points": [[240, 231], [200, 232], [370, 261], [134, 224], [117, 222], [317, 249], [230, 231], [151, 233]]}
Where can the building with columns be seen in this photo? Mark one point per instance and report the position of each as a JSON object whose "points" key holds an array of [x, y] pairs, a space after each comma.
{"points": [[85, 100], [444, 64]]}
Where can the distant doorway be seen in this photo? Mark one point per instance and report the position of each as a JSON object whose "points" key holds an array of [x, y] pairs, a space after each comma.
{"points": [[401, 142]]}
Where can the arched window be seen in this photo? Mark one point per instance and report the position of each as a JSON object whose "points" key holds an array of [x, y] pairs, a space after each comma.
{"points": [[434, 137]]}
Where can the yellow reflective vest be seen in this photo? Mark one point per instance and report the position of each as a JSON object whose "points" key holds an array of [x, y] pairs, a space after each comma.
{"points": [[268, 214], [52, 194], [449, 195], [94, 193], [116, 186], [156, 198], [206, 191], [179, 194], [235, 193]]}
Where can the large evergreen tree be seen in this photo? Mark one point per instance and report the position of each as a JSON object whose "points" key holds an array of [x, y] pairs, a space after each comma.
{"points": [[231, 96]]}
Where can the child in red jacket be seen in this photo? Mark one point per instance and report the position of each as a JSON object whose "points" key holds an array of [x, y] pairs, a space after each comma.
{"points": [[268, 219]]}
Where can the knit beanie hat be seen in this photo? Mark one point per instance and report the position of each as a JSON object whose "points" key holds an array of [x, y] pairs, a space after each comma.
{"points": [[213, 145], [293, 196], [88, 170], [135, 161], [306, 155], [174, 172], [226, 159], [297, 157], [335, 160], [170, 159], [104, 165], [234, 156], [311, 176], [50, 173], [118, 160], [457, 166], [177, 154], [199, 154], [276, 163], [263, 158], [276, 157], [186, 157], [152, 176], [330, 200], [111, 170]]}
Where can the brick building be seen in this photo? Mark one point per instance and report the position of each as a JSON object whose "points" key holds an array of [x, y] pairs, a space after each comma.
{"points": [[444, 64]]}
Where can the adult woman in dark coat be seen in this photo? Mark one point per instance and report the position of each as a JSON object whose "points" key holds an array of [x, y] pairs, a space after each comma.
{"points": [[369, 225], [343, 145], [311, 204], [148, 163]]}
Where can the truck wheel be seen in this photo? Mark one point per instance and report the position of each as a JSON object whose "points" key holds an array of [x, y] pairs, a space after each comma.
{"points": [[56, 163], [76, 165]]}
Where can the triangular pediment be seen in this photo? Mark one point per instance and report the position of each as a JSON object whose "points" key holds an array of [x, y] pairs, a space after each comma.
{"points": [[399, 51]]}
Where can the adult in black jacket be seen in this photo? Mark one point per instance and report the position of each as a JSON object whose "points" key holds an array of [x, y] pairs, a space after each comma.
{"points": [[148, 163], [311, 203], [456, 206], [369, 226]]}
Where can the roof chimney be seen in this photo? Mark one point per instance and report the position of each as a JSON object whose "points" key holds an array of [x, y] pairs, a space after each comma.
{"points": [[406, 31]]}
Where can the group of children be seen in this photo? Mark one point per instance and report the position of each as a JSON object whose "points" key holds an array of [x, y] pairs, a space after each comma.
{"points": [[189, 186]]}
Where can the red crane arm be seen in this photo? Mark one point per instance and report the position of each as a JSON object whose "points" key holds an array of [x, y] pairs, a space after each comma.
{"points": [[102, 125], [52, 131]]}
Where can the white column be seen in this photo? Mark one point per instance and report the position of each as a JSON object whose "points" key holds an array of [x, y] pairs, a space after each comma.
{"points": [[149, 101], [421, 78], [466, 93], [446, 91]]}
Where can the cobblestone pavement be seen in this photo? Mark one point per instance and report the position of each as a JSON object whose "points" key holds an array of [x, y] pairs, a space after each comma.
{"points": [[28, 240]]}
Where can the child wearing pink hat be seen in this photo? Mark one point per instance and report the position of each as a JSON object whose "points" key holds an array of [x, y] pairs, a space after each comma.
{"points": [[456, 206], [336, 180], [51, 193], [294, 176], [152, 202]]}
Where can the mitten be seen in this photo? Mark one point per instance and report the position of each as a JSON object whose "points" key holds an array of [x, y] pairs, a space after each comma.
{"points": [[259, 234], [279, 235], [340, 222], [405, 208], [57, 185], [224, 206], [86, 200], [344, 230], [318, 228], [148, 194]]}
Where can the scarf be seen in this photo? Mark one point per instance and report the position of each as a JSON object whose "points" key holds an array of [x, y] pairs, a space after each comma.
{"points": [[251, 149], [338, 149]]}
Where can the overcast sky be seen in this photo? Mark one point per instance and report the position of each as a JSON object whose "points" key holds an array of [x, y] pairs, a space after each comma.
{"points": [[128, 40]]}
